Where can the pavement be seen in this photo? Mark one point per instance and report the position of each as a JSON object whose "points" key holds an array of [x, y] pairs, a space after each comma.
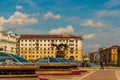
{"points": [[92, 74], [100, 75]]}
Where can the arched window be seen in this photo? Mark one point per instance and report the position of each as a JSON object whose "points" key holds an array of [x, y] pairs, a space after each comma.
{"points": [[71, 58]]}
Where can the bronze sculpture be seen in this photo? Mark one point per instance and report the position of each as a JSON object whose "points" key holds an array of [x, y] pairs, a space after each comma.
{"points": [[60, 53]]}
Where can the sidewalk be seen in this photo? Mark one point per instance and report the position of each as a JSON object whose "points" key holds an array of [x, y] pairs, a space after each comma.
{"points": [[100, 75], [112, 74]]}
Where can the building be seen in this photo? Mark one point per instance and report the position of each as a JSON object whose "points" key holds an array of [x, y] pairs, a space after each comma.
{"points": [[94, 57], [8, 42], [33, 47], [110, 54]]}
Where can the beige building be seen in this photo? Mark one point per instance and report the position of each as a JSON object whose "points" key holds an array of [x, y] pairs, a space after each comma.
{"points": [[8, 42], [33, 47], [110, 54], [94, 57]]}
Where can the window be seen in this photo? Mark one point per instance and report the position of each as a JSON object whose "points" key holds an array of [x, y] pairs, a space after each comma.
{"points": [[59, 40], [76, 49], [71, 44], [76, 41], [71, 52], [36, 48], [66, 41], [48, 48], [37, 40], [48, 52], [52, 40], [76, 45], [71, 49], [71, 40]]}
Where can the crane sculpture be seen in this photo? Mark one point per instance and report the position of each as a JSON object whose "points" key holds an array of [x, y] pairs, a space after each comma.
{"points": [[60, 53]]}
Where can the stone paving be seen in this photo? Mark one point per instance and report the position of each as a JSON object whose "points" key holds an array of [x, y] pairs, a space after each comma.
{"points": [[101, 75], [91, 75]]}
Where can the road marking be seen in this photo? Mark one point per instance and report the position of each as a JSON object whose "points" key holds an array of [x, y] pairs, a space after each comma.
{"points": [[80, 78]]}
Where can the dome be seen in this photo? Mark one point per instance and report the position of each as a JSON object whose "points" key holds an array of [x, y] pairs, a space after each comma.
{"points": [[51, 60], [7, 58]]}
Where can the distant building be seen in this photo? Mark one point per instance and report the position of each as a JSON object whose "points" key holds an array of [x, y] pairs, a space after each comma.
{"points": [[94, 57], [33, 47], [8, 42], [110, 54]]}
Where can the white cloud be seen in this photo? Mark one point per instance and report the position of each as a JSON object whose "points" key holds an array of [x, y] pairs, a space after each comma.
{"points": [[21, 19], [68, 29], [94, 46], [18, 7], [2, 21], [89, 36], [90, 23], [25, 30], [51, 15], [106, 13], [112, 3], [17, 18]]}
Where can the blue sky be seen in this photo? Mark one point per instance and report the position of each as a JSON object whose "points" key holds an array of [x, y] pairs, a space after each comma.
{"points": [[97, 20]]}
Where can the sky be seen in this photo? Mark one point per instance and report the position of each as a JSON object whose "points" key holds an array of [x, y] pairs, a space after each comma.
{"points": [[97, 21]]}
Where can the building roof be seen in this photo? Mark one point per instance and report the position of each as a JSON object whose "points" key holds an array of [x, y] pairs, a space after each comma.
{"points": [[109, 47], [52, 60], [14, 58], [49, 36]]}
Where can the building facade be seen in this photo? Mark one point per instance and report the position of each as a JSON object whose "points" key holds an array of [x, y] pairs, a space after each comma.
{"points": [[32, 47], [94, 57], [110, 54], [8, 42]]}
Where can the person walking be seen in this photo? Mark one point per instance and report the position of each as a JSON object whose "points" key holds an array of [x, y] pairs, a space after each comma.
{"points": [[101, 65]]}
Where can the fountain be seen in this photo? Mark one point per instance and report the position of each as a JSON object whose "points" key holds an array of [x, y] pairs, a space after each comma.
{"points": [[13, 67], [58, 65]]}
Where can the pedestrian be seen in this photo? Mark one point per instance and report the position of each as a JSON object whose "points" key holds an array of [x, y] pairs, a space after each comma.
{"points": [[101, 65]]}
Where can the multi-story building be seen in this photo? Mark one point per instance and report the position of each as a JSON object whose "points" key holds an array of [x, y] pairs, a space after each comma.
{"points": [[8, 42], [32, 47], [94, 57], [110, 54]]}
